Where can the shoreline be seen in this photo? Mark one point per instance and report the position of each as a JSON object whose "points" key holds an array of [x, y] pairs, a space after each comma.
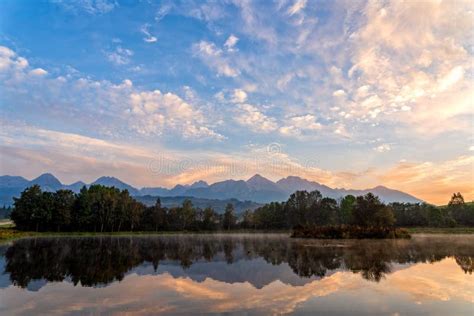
{"points": [[9, 233]]}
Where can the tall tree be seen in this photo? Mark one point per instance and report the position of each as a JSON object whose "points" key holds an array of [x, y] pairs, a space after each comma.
{"points": [[28, 204], [347, 205], [62, 208], [229, 217]]}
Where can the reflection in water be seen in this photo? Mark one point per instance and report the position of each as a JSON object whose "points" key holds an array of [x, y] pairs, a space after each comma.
{"points": [[251, 274], [102, 260]]}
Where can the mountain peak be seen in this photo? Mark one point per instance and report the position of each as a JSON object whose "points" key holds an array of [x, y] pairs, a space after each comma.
{"points": [[46, 178], [257, 182], [199, 184], [114, 182], [257, 177], [47, 182]]}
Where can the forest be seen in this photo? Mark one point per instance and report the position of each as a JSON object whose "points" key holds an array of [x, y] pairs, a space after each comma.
{"points": [[108, 209]]}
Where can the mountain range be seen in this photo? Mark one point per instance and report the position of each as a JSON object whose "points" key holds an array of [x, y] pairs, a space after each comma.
{"points": [[257, 189]]}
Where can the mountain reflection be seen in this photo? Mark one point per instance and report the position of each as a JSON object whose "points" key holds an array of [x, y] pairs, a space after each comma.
{"points": [[97, 261]]}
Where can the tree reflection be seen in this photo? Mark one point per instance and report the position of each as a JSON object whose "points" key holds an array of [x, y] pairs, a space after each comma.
{"points": [[99, 261]]}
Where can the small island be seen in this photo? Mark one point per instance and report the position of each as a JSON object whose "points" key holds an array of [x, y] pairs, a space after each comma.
{"points": [[100, 209]]}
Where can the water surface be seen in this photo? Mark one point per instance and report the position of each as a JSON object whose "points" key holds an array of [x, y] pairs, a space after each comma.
{"points": [[241, 274]]}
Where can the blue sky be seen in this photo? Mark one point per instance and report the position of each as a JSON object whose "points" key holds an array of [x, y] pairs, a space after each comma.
{"points": [[347, 93]]}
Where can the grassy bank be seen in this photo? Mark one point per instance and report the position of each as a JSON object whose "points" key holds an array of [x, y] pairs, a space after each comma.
{"points": [[9, 232], [440, 230]]}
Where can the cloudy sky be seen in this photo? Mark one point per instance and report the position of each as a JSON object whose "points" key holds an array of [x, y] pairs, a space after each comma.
{"points": [[350, 94]]}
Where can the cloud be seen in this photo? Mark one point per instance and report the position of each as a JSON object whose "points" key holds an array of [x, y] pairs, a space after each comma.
{"points": [[214, 57], [149, 38], [297, 6], [106, 108], [154, 112], [120, 56], [239, 96], [90, 6], [231, 42], [38, 72], [10, 61], [297, 124], [383, 148], [339, 93], [411, 65], [249, 116]]}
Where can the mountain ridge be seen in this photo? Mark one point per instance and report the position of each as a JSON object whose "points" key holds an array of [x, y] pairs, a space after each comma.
{"points": [[257, 189]]}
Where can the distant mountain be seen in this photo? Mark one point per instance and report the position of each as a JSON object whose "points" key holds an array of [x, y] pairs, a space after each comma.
{"points": [[155, 191], [75, 187], [47, 182], [257, 189], [292, 184], [217, 205], [114, 182], [11, 186], [12, 181]]}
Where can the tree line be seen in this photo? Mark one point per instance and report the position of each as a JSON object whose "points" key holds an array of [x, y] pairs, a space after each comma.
{"points": [[108, 209]]}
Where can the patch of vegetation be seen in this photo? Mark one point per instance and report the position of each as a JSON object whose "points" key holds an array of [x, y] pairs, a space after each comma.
{"points": [[440, 230], [349, 232], [10, 233]]}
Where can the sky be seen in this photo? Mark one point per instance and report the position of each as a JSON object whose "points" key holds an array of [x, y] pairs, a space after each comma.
{"points": [[350, 94]]}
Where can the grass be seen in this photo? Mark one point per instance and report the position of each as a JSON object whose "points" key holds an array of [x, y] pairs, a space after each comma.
{"points": [[8, 232], [440, 230]]}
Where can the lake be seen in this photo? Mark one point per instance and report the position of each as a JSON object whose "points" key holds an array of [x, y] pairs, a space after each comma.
{"points": [[248, 274]]}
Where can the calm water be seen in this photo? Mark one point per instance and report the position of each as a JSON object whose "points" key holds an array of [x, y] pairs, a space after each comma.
{"points": [[240, 274]]}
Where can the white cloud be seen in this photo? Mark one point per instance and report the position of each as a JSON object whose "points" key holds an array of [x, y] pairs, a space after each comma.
{"points": [[383, 148], [121, 56], [231, 42], [297, 124], [239, 96], [307, 122], [297, 6], [112, 108], [339, 93], [249, 116], [89, 6], [213, 57], [149, 38], [409, 67], [38, 72], [153, 112]]}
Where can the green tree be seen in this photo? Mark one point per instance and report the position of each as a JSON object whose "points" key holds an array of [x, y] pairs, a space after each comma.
{"points": [[62, 208], [248, 219], [28, 204], [188, 214], [229, 217], [82, 216], [370, 211], [326, 211], [209, 219], [299, 207], [461, 212], [347, 205]]}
